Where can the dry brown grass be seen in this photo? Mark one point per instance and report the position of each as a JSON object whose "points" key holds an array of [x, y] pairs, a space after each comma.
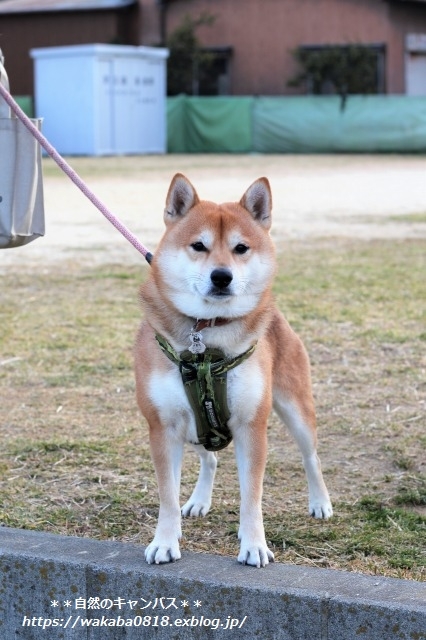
{"points": [[75, 458]]}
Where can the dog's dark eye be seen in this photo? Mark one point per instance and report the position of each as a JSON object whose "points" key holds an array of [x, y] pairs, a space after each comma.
{"points": [[198, 246], [241, 248]]}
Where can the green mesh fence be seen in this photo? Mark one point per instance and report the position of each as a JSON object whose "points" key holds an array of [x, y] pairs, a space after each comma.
{"points": [[305, 124]]}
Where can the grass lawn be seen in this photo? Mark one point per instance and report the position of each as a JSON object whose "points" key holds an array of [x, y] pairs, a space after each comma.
{"points": [[75, 458]]}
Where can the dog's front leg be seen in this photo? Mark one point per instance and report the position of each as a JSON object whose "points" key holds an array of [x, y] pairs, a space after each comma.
{"points": [[167, 458], [250, 451], [200, 501]]}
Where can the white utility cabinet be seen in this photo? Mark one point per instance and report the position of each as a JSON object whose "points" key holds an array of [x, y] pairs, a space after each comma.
{"points": [[102, 99]]}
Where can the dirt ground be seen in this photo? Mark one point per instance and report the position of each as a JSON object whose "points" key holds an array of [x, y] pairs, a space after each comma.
{"points": [[314, 196]]}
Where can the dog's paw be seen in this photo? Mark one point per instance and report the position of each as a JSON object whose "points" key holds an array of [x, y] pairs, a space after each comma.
{"points": [[321, 509], [160, 552], [256, 555], [195, 508]]}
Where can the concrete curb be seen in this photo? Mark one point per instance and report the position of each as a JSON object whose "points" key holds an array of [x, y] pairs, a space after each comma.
{"points": [[137, 601]]}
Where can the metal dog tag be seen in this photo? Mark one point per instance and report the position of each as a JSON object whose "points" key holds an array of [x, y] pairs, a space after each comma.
{"points": [[196, 345]]}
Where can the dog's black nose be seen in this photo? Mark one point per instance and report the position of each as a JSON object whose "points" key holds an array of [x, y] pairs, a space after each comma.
{"points": [[221, 278]]}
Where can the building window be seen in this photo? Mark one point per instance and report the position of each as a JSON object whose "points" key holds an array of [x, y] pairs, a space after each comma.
{"points": [[215, 79], [341, 69]]}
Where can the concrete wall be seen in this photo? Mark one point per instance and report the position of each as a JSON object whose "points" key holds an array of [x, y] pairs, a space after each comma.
{"points": [[47, 583]]}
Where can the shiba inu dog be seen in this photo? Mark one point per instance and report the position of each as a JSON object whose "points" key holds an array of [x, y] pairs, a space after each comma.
{"points": [[209, 312]]}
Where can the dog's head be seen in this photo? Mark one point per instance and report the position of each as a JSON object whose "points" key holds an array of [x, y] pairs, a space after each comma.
{"points": [[216, 260]]}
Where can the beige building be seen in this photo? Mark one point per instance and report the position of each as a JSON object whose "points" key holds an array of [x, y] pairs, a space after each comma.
{"points": [[253, 39], [261, 35]]}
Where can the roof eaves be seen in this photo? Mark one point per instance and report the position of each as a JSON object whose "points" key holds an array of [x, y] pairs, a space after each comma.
{"points": [[44, 6]]}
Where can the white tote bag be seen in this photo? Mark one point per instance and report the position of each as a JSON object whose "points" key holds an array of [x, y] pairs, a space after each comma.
{"points": [[21, 180]]}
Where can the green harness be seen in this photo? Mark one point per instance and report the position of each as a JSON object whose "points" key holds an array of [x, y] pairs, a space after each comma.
{"points": [[204, 380]]}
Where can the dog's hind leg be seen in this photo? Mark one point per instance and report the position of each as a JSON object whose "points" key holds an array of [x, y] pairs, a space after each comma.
{"points": [[200, 501], [167, 458], [305, 437]]}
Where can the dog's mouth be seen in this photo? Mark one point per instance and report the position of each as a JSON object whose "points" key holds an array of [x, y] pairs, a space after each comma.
{"points": [[216, 292]]}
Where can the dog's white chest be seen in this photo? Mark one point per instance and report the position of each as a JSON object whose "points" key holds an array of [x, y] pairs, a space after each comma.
{"points": [[245, 391], [168, 395], [245, 387]]}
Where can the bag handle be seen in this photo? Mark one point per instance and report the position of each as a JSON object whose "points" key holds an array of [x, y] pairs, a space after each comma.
{"points": [[5, 111], [73, 176]]}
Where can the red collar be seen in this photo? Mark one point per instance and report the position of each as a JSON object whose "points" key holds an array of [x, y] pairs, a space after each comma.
{"points": [[213, 322]]}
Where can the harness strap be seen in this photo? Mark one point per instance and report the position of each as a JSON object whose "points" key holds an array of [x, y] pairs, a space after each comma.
{"points": [[204, 379]]}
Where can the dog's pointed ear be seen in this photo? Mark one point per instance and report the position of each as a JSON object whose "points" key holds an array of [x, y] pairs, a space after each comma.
{"points": [[181, 197], [258, 201]]}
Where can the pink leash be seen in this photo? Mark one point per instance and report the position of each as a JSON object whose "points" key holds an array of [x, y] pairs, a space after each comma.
{"points": [[69, 171]]}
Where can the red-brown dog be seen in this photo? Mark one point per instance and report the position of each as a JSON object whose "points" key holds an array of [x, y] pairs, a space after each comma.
{"points": [[213, 270]]}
